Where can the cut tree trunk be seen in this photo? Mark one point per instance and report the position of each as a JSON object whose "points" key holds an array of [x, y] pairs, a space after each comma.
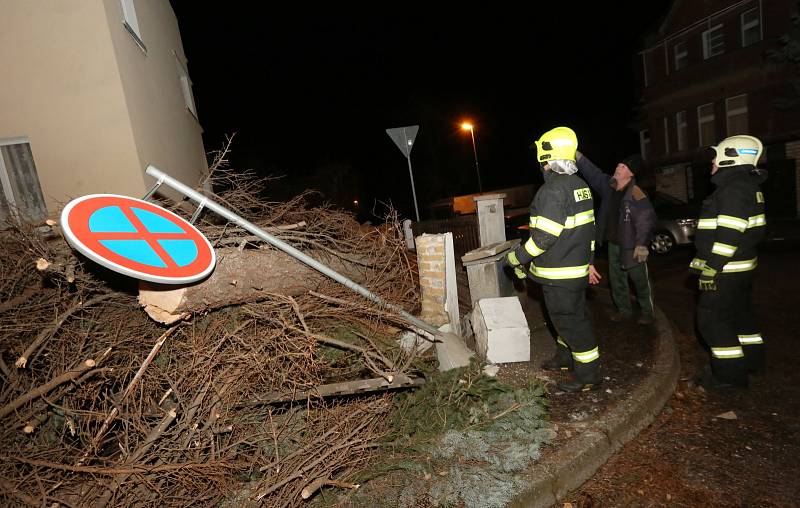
{"points": [[241, 276]]}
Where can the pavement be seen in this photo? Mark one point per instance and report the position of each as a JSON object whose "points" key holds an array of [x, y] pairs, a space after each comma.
{"points": [[578, 458]]}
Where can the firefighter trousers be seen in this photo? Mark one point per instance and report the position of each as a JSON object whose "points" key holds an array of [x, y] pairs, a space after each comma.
{"points": [[728, 325], [577, 345]]}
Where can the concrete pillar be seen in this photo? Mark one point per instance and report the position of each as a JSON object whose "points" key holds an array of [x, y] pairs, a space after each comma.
{"points": [[491, 220], [486, 279], [408, 233]]}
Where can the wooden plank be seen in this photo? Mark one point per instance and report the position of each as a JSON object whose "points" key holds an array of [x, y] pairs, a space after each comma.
{"points": [[337, 389]]}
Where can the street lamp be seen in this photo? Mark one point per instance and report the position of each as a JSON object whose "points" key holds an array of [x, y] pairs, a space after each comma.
{"points": [[469, 127]]}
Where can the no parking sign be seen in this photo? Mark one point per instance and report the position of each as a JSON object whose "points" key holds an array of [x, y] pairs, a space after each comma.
{"points": [[137, 238]]}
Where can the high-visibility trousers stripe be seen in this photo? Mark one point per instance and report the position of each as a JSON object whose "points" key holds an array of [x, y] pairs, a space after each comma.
{"points": [[727, 353], [747, 340], [587, 356]]}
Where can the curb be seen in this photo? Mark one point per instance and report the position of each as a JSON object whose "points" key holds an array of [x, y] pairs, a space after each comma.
{"points": [[581, 457]]}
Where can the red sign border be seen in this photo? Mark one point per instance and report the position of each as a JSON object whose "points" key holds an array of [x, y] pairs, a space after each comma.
{"points": [[75, 224]]}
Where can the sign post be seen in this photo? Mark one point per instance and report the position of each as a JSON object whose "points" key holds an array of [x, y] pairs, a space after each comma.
{"points": [[404, 137]]}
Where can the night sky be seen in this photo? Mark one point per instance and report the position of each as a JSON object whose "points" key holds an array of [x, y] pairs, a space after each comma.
{"points": [[310, 93]]}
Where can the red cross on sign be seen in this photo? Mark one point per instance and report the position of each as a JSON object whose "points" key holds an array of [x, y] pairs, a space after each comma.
{"points": [[137, 238]]}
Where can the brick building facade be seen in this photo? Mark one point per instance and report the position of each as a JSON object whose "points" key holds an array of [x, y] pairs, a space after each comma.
{"points": [[712, 69]]}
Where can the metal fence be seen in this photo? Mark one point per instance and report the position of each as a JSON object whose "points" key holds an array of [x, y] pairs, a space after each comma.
{"points": [[466, 236]]}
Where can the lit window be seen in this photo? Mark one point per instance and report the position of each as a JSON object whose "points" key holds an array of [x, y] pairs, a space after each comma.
{"points": [[751, 27], [705, 124], [644, 143], [736, 113], [186, 86], [666, 135], [713, 42], [681, 55], [681, 127], [131, 22]]}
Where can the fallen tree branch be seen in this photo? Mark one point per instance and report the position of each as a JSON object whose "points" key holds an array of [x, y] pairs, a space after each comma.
{"points": [[155, 433], [43, 389], [20, 298], [126, 470], [12, 491], [22, 361], [153, 352], [317, 484]]}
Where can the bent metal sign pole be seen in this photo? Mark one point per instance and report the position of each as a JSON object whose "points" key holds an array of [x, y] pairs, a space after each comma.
{"points": [[203, 201]]}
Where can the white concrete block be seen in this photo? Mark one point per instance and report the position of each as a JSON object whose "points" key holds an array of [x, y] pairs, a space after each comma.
{"points": [[501, 330]]}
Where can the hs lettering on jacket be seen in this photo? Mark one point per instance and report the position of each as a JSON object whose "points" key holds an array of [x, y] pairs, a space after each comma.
{"points": [[582, 194]]}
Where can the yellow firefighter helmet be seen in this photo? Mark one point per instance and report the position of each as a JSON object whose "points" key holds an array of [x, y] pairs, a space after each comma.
{"points": [[560, 143]]}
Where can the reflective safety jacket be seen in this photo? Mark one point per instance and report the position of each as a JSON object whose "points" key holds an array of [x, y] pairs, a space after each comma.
{"points": [[732, 223], [561, 243]]}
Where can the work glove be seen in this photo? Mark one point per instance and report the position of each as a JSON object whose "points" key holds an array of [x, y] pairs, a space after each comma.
{"points": [[520, 272], [707, 283], [640, 253]]}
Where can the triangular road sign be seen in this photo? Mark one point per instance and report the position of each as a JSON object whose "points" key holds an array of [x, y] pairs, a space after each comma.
{"points": [[404, 138]]}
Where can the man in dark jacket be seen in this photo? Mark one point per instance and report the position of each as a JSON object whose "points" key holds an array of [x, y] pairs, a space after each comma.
{"points": [[559, 252], [626, 221], [731, 226]]}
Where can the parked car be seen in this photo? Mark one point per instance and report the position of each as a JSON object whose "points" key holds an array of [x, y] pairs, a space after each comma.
{"points": [[677, 222]]}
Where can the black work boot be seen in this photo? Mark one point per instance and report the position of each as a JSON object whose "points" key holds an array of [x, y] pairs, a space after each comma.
{"points": [[712, 383], [556, 364], [645, 320], [575, 385]]}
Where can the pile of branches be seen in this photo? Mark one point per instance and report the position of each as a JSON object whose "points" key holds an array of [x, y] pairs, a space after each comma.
{"points": [[101, 406]]}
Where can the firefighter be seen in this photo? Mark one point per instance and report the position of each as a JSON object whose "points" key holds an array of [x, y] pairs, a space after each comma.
{"points": [[558, 252], [731, 226]]}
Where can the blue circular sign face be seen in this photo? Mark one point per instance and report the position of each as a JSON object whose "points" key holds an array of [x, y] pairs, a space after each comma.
{"points": [[137, 238]]}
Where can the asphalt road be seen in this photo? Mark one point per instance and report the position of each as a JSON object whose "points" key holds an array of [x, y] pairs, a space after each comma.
{"points": [[709, 449]]}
